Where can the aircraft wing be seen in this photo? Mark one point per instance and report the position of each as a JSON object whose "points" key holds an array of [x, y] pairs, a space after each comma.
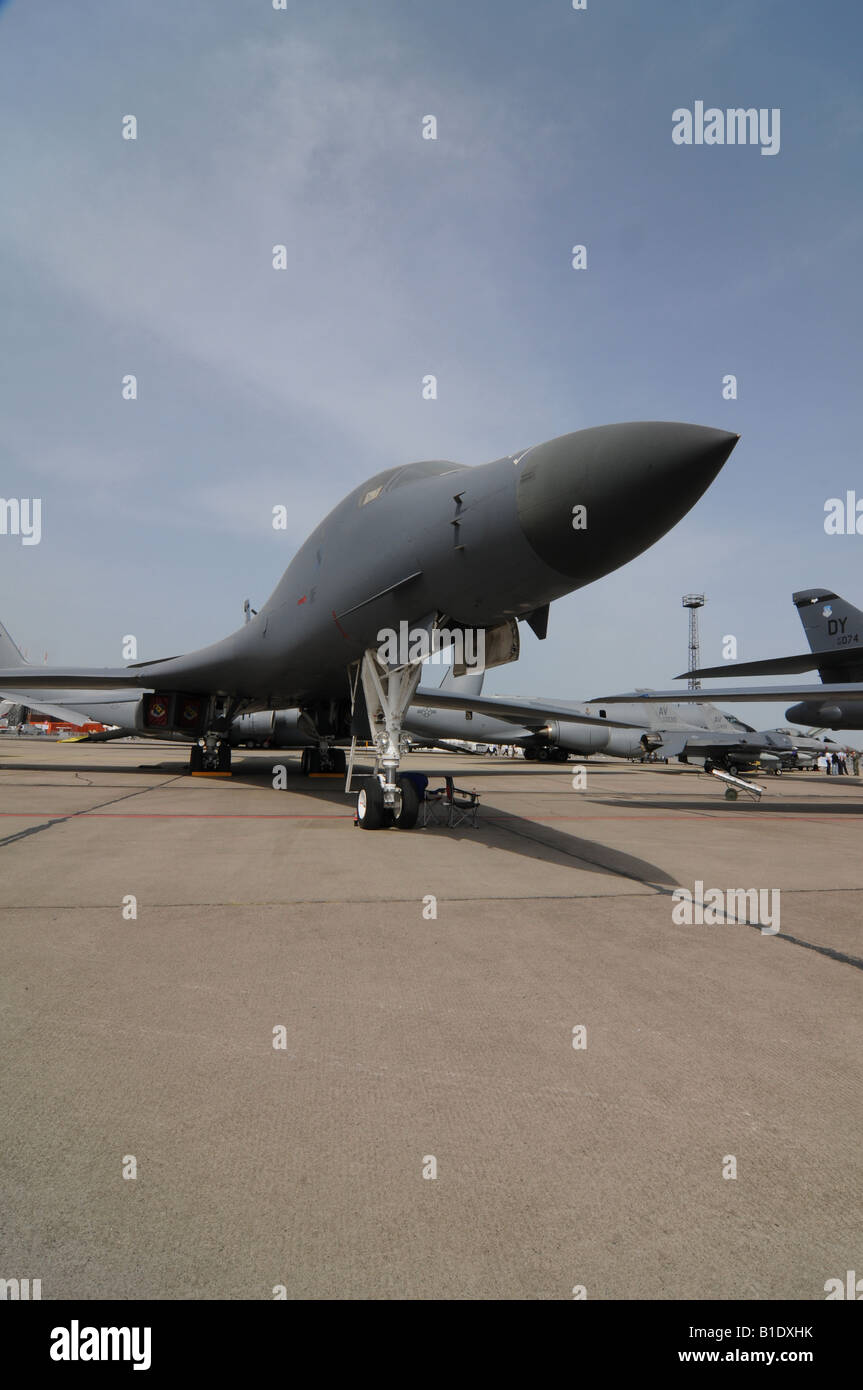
{"points": [[60, 712], [533, 713], [775, 666], [18, 678], [73, 706], [779, 665], [775, 694]]}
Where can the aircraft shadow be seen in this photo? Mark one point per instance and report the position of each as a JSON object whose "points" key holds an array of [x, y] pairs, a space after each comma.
{"points": [[497, 829], [719, 804], [88, 769]]}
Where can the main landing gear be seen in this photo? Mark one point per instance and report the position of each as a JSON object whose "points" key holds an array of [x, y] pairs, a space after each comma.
{"points": [[211, 754], [545, 753], [323, 759], [386, 798]]}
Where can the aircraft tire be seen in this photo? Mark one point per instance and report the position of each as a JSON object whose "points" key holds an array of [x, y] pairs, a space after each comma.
{"points": [[196, 758], [406, 817], [370, 804]]}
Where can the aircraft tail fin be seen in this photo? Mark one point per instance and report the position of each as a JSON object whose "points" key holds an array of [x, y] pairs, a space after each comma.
{"points": [[470, 684], [834, 630], [9, 654]]}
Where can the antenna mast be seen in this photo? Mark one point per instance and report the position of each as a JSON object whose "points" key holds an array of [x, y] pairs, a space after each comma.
{"points": [[693, 602]]}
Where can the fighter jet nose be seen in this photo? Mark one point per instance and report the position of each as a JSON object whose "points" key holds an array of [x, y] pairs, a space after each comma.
{"points": [[590, 501]]}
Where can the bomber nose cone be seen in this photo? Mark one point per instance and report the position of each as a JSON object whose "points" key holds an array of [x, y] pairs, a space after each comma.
{"points": [[633, 482]]}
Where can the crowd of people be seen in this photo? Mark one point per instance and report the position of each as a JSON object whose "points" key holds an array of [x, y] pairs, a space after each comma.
{"points": [[835, 764]]}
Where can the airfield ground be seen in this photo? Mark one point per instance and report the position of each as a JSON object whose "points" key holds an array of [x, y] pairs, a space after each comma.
{"points": [[408, 1037]]}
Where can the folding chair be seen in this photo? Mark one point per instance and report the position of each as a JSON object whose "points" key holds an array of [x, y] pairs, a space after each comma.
{"points": [[450, 805], [434, 807], [463, 806]]}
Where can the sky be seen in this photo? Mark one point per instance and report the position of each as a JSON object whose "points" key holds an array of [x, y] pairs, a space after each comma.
{"points": [[406, 256]]}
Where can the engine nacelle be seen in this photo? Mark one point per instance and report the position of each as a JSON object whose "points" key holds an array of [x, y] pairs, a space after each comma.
{"points": [[577, 738], [270, 728], [827, 714], [592, 738], [624, 743]]}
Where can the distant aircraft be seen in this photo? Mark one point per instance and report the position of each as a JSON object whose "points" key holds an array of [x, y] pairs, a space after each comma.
{"points": [[421, 548], [807, 748], [834, 629], [690, 733]]}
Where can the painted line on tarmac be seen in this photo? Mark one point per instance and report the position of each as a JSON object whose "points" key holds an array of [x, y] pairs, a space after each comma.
{"points": [[348, 815], [60, 818]]}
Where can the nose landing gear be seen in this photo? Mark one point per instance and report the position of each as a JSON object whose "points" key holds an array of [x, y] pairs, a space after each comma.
{"points": [[373, 812], [386, 798]]}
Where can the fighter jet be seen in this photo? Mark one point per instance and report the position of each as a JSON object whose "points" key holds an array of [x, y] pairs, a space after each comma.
{"points": [[420, 548], [834, 629], [807, 749]]}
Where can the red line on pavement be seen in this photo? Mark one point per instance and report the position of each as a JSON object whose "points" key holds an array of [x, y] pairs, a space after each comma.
{"points": [[348, 815], [171, 815]]}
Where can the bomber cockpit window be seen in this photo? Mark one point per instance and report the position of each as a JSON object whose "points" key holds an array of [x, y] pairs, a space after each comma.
{"points": [[428, 468], [397, 477]]}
